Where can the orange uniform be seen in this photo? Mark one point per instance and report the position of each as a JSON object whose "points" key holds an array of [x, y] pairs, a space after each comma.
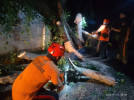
{"points": [[34, 77], [104, 31], [103, 40]]}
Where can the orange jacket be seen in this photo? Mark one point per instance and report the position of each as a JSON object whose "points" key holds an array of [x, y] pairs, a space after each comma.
{"points": [[104, 31], [35, 76]]}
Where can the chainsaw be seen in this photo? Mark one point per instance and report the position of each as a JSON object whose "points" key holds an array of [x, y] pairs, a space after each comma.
{"points": [[51, 87], [93, 36]]}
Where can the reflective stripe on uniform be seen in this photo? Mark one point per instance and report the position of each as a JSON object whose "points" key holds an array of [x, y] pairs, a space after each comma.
{"points": [[39, 64]]}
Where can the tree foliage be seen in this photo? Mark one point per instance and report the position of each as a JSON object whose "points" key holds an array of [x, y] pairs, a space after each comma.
{"points": [[9, 10]]}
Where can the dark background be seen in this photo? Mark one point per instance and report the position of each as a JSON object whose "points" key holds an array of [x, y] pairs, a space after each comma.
{"points": [[95, 11], [100, 9]]}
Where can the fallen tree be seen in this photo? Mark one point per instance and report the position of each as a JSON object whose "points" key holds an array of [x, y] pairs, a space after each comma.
{"points": [[78, 21], [69, 47], [31, 56], [72, 39], [90, 35], [95, 75], [27, 55], [9, 79], [87, 72]]}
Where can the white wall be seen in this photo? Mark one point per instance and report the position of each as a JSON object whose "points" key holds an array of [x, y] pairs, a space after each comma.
{"points": [[19, 41]]}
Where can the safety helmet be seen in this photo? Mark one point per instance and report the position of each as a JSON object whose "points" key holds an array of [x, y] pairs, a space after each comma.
{"points": [[56, 50], [106, 21]]}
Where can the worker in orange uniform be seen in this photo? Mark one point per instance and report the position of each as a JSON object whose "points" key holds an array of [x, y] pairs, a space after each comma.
{"points": [[103, 37], [29, 84], [124, 31]]}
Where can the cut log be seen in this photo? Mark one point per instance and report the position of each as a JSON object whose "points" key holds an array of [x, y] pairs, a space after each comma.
{"points": [[74, 39], [28, 55], [66, 32], [95, 75], [9, 78], [90, 35], [71, 49], [68, 47], [78, 21]]}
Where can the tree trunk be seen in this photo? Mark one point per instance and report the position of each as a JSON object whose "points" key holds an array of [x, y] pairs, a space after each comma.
{"points": [[78, 21], [95, 75], [75, 40], [28, 55], [60, 11], [9, 78], [90, 35], [69, 47]]}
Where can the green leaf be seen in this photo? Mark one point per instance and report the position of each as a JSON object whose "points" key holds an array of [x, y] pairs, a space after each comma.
{"points": [[122, 80]]}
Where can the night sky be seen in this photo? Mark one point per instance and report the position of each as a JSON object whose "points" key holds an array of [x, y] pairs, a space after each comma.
{"points": [[102, 7]]}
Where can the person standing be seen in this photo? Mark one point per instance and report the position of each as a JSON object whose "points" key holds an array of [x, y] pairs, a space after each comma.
{"points": [[103, 37], [124, 30]]}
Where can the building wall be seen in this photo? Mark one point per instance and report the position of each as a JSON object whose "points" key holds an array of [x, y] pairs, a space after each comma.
{"points": [[25, 41]]}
